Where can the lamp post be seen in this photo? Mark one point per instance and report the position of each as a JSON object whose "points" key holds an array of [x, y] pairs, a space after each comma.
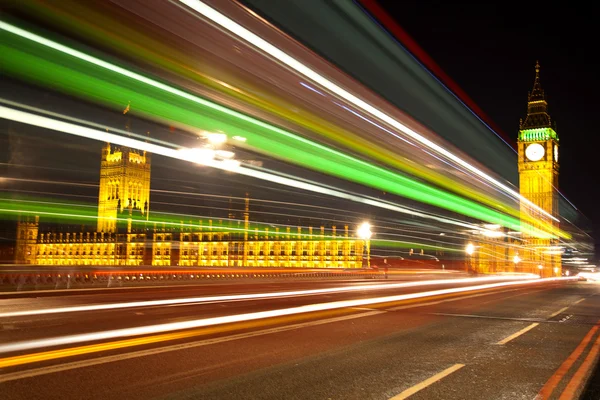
{"points": [[516, 260], [364, 232], [470, 249]]}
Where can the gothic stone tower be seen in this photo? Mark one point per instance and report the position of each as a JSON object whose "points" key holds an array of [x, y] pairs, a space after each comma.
{"points": [[124, 185], [26, 244], [538, 181]]}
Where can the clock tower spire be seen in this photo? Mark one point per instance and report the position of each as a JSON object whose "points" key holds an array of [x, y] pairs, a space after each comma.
{"points": [[538, 181], [537, 106]]}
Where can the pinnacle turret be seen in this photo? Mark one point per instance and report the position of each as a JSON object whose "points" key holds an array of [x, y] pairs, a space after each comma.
{"points": [[537, 107]]}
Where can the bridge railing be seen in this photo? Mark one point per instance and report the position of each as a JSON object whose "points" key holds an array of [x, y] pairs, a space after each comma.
{"points": [[21, 278]]}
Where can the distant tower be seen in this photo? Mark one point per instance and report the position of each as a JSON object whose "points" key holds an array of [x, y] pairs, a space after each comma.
{"points": [[124, 184], [27, 232], [538, 178]]}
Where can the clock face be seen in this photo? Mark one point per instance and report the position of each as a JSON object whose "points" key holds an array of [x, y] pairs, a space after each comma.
{"points": [[534, 152], [555, 153]]}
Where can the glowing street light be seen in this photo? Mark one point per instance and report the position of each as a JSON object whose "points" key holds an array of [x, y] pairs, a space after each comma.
{"points": [[215, 138], [364, 232], [541, 268], [470, 249]]}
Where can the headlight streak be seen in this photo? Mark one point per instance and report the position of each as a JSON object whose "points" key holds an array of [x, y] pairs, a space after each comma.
{"points": [[175, 326], [256, 296], [85, 122], [43, 122], [283, 57], [408, 188]]}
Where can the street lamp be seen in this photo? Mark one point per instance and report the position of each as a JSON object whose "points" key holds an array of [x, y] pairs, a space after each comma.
{"points": [[364, 232], [516, 260], [470, 249], [215, 138]]}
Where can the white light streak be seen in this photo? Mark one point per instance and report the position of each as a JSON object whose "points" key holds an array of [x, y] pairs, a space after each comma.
{"points": [[227, 165], [225, 154], [253, 296], [199, 323], [291, 62], [197, 155]]}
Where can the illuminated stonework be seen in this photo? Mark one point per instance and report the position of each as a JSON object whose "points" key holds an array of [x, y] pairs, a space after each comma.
{"points": [[195, 247], [125, 190], [27, 232], [124, 184], [538, 179], [493, 250]]}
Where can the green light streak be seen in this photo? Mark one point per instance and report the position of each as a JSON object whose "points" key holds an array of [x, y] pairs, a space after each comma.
{"points": [[46, 63], [78, 213], [83, 19]]}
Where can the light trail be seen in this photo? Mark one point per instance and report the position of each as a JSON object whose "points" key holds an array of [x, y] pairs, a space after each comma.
{"points": [[298, 149], [94, 134], [181, 63], [205, 322], [85, 122], [254, 296], [308, 73]]}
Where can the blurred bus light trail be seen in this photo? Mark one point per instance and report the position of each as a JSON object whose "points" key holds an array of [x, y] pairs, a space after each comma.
{"points": [[254, 296], [174, 326]]}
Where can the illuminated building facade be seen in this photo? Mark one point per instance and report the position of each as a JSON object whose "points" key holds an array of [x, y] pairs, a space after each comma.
{"points": [[125, 237], [495, 249], [124, 185], [26, 241], [538, 180]]}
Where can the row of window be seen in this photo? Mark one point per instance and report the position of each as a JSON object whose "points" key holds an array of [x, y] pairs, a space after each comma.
{"points": [[262, 253]]}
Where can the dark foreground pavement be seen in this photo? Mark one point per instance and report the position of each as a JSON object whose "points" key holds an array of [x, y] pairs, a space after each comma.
{"points": [[510, 343]]}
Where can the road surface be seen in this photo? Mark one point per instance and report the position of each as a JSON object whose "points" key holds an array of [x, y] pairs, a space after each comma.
{"points": [[506, 342]]}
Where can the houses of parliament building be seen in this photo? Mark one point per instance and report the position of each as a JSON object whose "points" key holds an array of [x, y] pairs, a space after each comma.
{"points": [[125, 236]]}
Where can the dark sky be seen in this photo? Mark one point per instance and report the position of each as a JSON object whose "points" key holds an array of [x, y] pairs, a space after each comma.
{"points": [[490, 49]]}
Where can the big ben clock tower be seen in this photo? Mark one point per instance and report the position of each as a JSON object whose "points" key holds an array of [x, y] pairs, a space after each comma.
{"points": [[538, 182]]}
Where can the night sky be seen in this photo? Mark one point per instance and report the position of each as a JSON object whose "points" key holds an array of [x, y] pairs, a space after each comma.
{"points": [[490, 51]]}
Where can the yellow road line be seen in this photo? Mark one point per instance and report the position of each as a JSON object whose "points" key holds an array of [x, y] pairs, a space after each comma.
{"points": [[119, 344], [577, 381], [554, 314], [95, 348], [427, 382], [519, 333]]}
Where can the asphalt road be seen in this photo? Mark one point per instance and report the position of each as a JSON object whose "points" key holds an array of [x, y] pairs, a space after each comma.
{"points": [[502, 343]]}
